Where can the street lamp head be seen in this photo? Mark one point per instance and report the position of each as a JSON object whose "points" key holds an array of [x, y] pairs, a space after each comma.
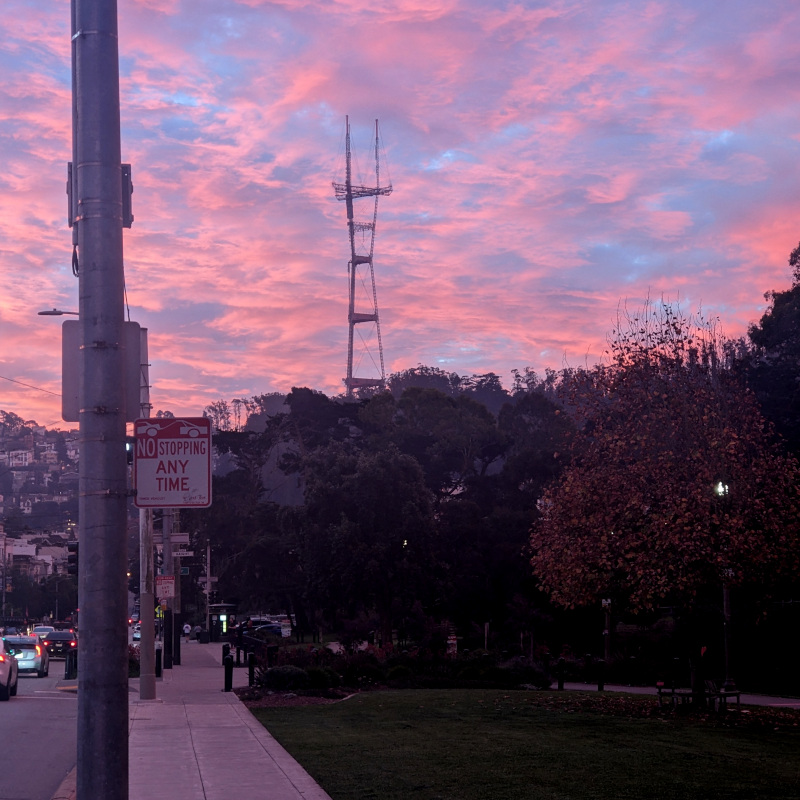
{"points": [[56, 312]]}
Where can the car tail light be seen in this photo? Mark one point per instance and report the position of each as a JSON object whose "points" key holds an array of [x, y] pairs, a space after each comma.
{"points": [[46, 643], [73, 644], [38, 650], [2, 657]]}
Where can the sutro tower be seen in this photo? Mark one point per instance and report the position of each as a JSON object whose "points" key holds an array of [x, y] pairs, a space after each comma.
{"points": [[363, 306]]}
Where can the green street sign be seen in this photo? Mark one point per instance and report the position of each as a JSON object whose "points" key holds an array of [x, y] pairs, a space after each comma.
{"points": [[184, 570]]}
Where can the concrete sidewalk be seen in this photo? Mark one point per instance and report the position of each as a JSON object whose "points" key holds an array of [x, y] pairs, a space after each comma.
{"points": [[198, 742]]}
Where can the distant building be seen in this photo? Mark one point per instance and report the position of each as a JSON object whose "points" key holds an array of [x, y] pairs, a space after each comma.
{"points": [[20, 458]]}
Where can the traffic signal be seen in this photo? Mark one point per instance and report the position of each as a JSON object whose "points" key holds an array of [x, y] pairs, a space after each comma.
{"points": [[72, 558]]}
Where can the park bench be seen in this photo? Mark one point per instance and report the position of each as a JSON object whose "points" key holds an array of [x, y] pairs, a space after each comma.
{"points": [[675, 696], [718, 696]]}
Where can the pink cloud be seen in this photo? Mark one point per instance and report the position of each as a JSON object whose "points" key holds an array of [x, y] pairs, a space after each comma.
{"points": [[547, 162]]}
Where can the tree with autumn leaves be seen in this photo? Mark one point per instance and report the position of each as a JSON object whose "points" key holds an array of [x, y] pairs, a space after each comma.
{"points": [[675, 483]]}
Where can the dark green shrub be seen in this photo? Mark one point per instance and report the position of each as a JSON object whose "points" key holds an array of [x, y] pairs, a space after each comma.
{"points": [[303, 657], [529, 673], [323, 678], [399, 674], [284, 678], [501, 676], [361, 669], [471, 672]]}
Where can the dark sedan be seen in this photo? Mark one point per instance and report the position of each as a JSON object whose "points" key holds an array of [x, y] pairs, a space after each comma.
{"points": [[59, 643]]}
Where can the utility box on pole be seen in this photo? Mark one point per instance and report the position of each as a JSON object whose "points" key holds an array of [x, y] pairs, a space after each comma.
{"points": [[71, 371]]}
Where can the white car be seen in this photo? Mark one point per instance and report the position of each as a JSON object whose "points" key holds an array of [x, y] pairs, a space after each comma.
{"points": [[9, 671]]}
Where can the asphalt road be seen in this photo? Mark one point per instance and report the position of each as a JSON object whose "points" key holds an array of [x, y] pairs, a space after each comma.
{"points": [[38, 733]]}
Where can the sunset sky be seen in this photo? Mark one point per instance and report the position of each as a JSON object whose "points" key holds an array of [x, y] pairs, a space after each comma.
{"points": [[550, 161]]}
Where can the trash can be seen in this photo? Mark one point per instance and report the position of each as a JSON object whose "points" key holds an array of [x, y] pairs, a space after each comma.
{"points": [[203, 637]]}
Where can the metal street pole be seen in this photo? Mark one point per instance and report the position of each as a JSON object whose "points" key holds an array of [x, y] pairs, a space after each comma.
{"points": [[177, 615], [3, 550], [147, 644], [102, 590], [730, 684], [208, 588], [167, 525]]}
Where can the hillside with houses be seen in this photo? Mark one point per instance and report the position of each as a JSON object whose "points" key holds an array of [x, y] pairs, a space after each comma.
{"points": [[38, 517]]}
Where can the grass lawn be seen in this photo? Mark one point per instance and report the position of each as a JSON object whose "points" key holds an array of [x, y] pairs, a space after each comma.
{"points": [[500, 745]]}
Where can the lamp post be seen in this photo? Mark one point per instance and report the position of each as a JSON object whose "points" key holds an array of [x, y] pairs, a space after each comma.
{"points": [[57, 312], [722, 491], [56, 583], [606, 602]]}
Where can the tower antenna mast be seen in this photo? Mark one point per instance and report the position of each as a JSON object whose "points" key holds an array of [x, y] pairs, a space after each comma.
{"points": [[363, 298]]}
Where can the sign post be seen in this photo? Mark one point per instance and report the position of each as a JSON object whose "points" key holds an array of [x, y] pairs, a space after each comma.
{"points": [[172, 462], [165, 587]]}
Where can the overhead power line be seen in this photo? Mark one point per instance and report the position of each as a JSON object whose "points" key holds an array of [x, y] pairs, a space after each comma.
{"points": [[30, 386]]}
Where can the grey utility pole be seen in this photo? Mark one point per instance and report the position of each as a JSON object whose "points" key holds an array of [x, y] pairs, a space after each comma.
{"points": [[167, 568], [147, 655], [102, 591]]}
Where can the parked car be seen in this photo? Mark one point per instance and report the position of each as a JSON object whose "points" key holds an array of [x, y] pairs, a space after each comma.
{"points": [[59, 643], [31, 654], [9, 671], [268, 630], [137, 633], [42, 630]]}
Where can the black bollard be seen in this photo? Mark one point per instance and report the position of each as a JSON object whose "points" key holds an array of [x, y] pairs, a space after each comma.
{"points": [[228, 662], [176, 639], [168, 634], [226, 651], [158, 662], [71, 665], [251, 668]]}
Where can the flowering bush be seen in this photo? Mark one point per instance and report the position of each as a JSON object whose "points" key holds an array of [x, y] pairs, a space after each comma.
{"points": [[133, 661]]}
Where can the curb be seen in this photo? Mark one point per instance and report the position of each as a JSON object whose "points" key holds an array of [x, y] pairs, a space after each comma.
{"points": [[69, 786]]}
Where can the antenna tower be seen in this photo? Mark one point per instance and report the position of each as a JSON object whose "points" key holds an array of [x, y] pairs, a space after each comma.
{"points": [[363, 305]]}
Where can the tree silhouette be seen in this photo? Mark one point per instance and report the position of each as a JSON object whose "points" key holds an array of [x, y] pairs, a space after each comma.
{"points": [[674, 483]]}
